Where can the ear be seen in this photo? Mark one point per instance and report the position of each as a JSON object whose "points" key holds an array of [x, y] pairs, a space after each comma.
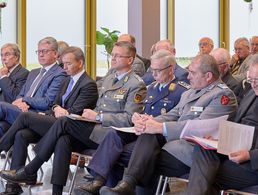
{"points": [[209, 76], [131, 59]]}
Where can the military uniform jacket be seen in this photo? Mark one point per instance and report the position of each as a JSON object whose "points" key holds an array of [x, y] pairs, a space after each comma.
{"points": [[159, 102], [212, 101], [118, 102]]}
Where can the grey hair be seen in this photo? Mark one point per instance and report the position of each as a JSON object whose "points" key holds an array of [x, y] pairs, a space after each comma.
{"points": [[14, 47], [243, 40], [207, 64], [51, 41], [169, 59], [253, 61]]}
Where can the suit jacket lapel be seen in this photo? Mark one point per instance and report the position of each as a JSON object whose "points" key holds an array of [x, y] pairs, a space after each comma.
{"points": [[15, 70], [161, 94]]}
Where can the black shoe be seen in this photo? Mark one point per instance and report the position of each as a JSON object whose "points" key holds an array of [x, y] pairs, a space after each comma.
{"points": [[122, 188], [92, 187], [12, 189], [19, 176]]}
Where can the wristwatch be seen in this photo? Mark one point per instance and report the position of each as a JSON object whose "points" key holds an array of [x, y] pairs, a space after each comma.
{"points": [[98, 118]]}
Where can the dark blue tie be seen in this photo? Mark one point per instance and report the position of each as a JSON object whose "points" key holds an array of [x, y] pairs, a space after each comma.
{"points": [[68, 91]]}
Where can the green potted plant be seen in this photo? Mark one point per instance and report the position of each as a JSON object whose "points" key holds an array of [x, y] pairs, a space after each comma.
{"points": [[107, 38]]}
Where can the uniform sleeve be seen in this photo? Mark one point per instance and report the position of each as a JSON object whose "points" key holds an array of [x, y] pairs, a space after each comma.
{"points": [[214, 109], [133, 104]]}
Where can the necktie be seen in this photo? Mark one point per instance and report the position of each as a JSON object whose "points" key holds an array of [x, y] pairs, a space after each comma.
{"points": [[68, 91], [34, 85]]}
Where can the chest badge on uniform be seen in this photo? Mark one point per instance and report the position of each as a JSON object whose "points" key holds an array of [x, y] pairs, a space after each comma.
{"points": [[125, 79], [172, 87], [224, 100], [137, 98], [122, 91], [163, 111]]}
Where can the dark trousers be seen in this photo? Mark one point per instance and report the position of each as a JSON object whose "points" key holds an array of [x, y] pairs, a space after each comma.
{"points": [[142, 162], [212, 172], [65, 135], [109, 152]]}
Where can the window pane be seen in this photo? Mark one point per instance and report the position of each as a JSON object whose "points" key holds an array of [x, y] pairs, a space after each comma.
{"points": [[193, 20], [61, 19], [8, 23], [111, 14], [243, 23]]}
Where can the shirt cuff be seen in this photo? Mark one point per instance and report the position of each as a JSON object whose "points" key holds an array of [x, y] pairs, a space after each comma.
{"points": [[165, 131]]}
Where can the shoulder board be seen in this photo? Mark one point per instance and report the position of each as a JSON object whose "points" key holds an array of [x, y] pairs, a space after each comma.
{"points": [[222, 86], [153, 84], [184, 84], [138, 77]]}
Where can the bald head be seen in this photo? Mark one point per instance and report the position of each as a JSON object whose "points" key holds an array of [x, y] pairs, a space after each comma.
{"points": [[205, 45], [127, 37], [222, 57], [165, 44]]}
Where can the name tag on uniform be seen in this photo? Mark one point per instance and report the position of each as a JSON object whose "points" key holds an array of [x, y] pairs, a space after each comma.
{"points": [[119, 96], [196, 109]]}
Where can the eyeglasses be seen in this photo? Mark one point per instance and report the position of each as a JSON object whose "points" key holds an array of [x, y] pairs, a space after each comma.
{"points": [[7, 54], [159, 70], [252, 80], [119, 56], [222, 63], [203, 44], [43, 51], [254, 44]]}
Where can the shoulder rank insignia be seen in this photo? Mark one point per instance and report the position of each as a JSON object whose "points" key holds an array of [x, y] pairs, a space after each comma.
{"points": [[172, 87], [222, 86], [184, 84]]}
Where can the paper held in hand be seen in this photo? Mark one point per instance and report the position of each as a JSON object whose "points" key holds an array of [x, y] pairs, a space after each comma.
{"points": [[232, 138], [124, 129], [80, 118]]}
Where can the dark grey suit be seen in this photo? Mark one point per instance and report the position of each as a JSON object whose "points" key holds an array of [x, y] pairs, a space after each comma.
{"points": [[30, 127], [11, 86], [212, 172]]}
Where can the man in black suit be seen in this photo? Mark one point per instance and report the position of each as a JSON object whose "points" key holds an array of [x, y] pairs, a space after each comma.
{"points": [[212, 172], [77, 92], [12, 74]]}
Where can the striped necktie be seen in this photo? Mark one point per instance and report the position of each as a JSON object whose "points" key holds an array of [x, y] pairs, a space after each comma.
{"points": [[34, 85]]}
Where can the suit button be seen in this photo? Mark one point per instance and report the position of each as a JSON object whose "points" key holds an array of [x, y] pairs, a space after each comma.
{"points": [[165, 104], [104, 105], [152, 107], [105, 96]]}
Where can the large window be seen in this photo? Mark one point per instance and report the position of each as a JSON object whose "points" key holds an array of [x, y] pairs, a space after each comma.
{"points": [[193, 20], [8, 23], [61, 19], [111, 14], [243, 20]]}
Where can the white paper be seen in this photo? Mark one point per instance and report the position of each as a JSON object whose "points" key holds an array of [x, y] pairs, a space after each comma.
{"points": [[80, 118], [204, 127], [234, 137], [205, 143], [124, 129]]}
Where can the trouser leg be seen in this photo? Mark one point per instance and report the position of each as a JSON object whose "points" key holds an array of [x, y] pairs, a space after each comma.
{"points": [[22, 139]]}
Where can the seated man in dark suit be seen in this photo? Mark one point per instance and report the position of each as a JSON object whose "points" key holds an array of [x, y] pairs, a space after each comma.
{"points": [[212, 172], [162, 96], [208, 97], [41, 87], [119, 97], [222, 56], [78, 91], [12, 74], [180, 73]]}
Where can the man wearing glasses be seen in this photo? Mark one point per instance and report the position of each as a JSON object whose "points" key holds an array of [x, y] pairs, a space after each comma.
{"points": [[212, 172], [41, 87], [206, 45], [158, 139], [241, 48]]}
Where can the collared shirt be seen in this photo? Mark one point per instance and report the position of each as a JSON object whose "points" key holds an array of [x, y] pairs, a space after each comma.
{"points": [[10, 71], [76, 77], [119, 77]]}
